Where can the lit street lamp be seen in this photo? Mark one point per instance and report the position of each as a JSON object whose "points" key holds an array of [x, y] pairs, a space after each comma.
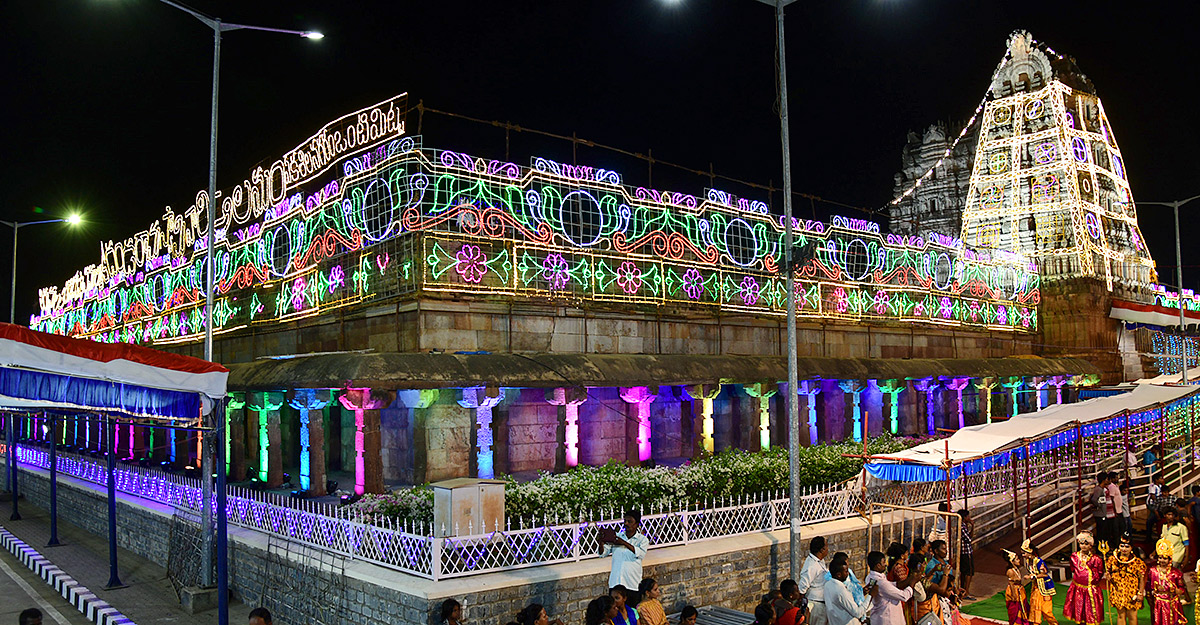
{"points": [[1179, 279], [206, 463], [16, 226]]}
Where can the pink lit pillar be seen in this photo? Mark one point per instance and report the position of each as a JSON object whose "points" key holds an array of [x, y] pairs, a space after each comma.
{"points": [[368, 450], [1058, 381], [957, 385], [641, 397], [568, 400], [482, 400]]}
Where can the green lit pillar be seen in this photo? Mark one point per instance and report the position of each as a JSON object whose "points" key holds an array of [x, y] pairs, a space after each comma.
{"points": [[235, 436]]}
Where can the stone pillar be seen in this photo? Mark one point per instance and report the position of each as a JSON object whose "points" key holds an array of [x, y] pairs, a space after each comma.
{"points": [[1013, 384], [929, 386], [892, 388], [763, 391], [312, 437], [265, 405], [482, 400], [640, 396], [566, 449], [235, 436], [985, 387], [957, 385], [703, 395], [1040, 385], [417, 401], [1058, 381], [368, 463], [810, 389], [854, 388]]}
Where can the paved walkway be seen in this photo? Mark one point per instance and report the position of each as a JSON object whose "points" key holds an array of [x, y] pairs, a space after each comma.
{"points": [[22, 589], [149, 597]]}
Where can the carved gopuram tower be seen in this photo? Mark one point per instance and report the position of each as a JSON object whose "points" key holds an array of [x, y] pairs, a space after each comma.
{"points": [[1049, 182]]}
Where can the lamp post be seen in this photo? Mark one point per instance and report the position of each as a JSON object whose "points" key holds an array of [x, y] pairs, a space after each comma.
{"points": [[1179, 279], [206, 463], [795, 553], [16, 228]]}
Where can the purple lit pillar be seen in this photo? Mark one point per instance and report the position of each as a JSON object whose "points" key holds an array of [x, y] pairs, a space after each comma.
{"points": [[640, 397], [368, 460], [568, 400], [810, 389], [957, 385]]}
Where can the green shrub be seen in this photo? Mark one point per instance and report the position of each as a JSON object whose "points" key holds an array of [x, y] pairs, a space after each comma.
{"points": [[587, 490]]}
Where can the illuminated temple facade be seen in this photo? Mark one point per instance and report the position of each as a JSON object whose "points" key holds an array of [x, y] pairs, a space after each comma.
{"points": [[408, 314]]}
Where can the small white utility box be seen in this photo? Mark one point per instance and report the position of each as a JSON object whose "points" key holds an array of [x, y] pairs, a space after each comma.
{"points": [[465, 506]]}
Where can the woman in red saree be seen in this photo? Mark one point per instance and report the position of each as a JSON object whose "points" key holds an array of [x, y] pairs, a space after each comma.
{"points": [[1085, 602]]}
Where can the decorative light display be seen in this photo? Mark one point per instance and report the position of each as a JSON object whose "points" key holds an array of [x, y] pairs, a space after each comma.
{"points": [[477, 399], [1049, 181], [1165, 350], [395, 219], [641, 397]]}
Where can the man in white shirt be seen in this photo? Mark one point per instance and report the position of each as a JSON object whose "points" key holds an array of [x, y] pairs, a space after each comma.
{"points": [[812, 580], [840, 607], [627, 548], [887, 606]]}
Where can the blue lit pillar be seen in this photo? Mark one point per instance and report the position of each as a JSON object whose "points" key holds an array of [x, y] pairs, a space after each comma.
{"points": [[482, 400], [854, 389], [312, 437], [893, 388]]}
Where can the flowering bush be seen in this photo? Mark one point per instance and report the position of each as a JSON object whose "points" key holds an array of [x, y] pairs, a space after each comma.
{"points": [[731, 473]]}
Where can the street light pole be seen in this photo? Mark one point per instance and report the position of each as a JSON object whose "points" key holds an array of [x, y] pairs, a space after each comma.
{"points": [[206, 456], [1179, 279], [795, 553], [16, 227]]}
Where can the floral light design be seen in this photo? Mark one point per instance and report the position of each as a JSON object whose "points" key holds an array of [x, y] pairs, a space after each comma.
{"points": [[629, 277], [471, 263], [555, 271]]}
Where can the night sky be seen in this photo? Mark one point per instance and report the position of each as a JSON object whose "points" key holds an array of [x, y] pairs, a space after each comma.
{"points": [[107, 101]]}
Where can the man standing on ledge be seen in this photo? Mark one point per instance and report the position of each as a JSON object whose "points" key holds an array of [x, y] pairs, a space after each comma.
{"points": [[812, 581], [627, 548]]}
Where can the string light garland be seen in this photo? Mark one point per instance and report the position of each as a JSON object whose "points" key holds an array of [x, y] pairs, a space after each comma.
{"points": [[396, 220]]}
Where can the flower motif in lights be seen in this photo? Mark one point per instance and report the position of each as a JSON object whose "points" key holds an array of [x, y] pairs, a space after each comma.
{"points": [[298, 287], [946, 308], [919, 309], [1002, 315], [748, 291], [693, 284], [337, 278], [882, 301], [1025, 319], [840, 301], [470, 263], [629, 277], [555, 271]]}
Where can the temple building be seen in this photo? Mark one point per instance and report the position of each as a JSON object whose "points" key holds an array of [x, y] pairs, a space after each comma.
{"points": [[405, 314], [937, 204]]}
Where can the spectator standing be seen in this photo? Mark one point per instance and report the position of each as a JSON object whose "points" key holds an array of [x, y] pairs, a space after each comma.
{"points": [[812, 578], [887, 606], [940, 524], [627, 549], [1099, 502], [650, 610], [1113, 516], [1154, 501], [1152, 460], [939, 580], [852, 584], [1194, 503], [1176, 535], [840, 606], [1126, 505], [966, 556]]}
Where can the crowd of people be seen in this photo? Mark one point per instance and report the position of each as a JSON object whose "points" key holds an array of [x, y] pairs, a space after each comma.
{"points": [[1130, 577]]}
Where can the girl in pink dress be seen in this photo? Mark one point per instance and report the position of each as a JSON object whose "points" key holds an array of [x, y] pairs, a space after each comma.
{"points": [[1085, 602], [1167, 585]]}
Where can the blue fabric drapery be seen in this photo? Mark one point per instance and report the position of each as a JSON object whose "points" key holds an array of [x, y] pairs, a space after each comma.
{"points": [[86, 393]]}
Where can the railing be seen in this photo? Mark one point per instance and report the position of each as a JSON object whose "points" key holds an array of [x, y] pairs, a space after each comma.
{"points": [[388, 544]]}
